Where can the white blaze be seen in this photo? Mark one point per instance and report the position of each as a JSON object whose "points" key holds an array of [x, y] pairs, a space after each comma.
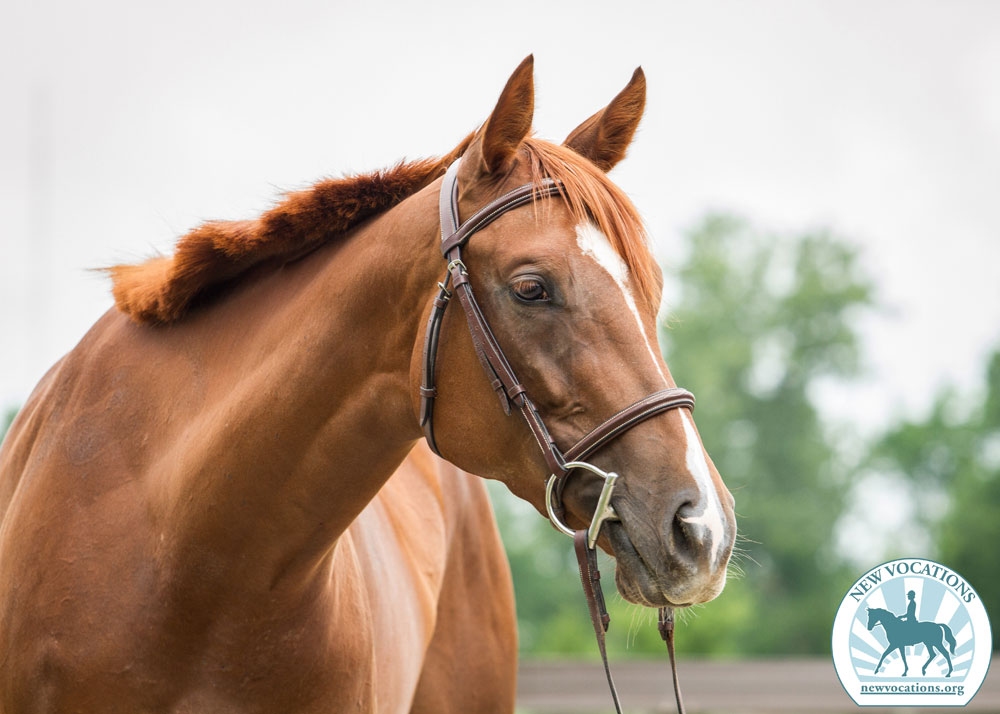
{"points": [[711, 508], [595, 244]]}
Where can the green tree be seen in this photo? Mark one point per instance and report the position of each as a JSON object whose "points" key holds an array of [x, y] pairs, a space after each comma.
{"points": [[956, 459], [759, 319]]}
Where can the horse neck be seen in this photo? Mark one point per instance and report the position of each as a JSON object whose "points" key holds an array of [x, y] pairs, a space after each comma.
{"points": [[308, 434], [887, 619]]}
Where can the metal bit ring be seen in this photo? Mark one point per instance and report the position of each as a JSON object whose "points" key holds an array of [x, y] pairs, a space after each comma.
{"points": [[604, 510]]}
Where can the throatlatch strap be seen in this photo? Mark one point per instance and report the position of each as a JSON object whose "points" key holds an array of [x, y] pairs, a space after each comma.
{"points": [[428, 387]]}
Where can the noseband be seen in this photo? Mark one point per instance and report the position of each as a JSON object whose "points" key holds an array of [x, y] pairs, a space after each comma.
{"points": [[511, 393]]}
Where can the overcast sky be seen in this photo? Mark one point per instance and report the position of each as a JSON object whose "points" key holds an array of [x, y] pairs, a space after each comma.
{"points": [[124, 124]]}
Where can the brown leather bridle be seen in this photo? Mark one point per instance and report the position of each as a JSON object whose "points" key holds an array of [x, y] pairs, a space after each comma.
{"points": [[454, 235]]}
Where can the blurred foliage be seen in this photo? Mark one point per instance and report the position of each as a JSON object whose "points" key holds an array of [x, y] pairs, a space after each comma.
{"points": [[758, 320], [954, 459]]}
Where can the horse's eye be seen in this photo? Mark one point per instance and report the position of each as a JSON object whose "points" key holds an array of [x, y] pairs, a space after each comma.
{"points": [[530, 289]]}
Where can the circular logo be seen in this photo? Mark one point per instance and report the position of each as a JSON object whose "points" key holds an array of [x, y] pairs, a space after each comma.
{"points": [[911, 632]]}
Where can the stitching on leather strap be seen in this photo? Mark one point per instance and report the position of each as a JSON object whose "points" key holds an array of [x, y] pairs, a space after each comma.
{"points": [[664, 400], [650, 397]]}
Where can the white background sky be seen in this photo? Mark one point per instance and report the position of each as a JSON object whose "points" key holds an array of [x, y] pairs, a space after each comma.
{"points": [[124, 124]]}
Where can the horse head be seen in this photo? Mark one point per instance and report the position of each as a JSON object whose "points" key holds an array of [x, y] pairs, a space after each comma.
{"points": [[571, 293], [876, 616]]}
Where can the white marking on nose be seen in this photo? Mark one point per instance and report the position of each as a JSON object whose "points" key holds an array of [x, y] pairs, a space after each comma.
{"points": [[711, 508], [595, 244]]}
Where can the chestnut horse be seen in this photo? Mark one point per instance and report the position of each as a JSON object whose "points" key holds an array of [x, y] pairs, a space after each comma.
{"points": [[198, 511]]}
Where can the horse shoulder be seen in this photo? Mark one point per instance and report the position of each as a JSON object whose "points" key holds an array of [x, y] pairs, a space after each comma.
{"points": [[477, 597], [429, 558], [385, 578]]}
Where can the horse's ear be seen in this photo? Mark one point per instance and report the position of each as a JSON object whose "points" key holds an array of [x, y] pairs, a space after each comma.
{"points": [[604, 137], [509, 123]]}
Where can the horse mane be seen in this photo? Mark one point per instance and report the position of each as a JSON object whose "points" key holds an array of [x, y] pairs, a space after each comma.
{"points": [[591, 195], [162, 289]]}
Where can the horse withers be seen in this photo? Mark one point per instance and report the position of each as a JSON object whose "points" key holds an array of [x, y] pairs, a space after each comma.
{"points": [[196, 503]]}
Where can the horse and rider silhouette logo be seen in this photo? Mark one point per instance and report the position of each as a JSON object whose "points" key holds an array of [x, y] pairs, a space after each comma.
{"points": [[911, 609], [906, 630]]}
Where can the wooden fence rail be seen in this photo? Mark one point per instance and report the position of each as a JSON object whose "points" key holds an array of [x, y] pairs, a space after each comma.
{"points": [[803, 685]]}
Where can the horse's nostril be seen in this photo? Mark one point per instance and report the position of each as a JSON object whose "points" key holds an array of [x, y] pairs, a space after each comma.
{"points": [[682, 528], [686, 510], [678, 535], [691, 537]]}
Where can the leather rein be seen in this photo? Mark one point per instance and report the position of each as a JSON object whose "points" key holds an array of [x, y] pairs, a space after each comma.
{"points": [[511, 393]]}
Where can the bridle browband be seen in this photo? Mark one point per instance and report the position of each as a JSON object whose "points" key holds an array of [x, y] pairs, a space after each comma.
{"points": [[454, 235]]}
